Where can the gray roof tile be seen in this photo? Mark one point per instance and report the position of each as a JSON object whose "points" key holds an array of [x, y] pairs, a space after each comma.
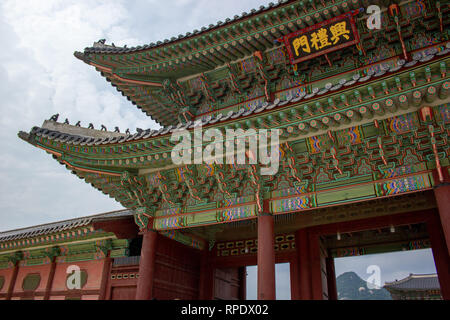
{"points": [[59, 226], [416, 282]]}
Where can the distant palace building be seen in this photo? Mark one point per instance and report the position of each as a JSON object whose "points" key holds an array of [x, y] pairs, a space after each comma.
{"points": [[415, 287], [364, 121]]}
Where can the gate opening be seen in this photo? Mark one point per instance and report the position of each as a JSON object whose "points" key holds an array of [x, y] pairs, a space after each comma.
{"points": [[365, 261], [282, 282]]}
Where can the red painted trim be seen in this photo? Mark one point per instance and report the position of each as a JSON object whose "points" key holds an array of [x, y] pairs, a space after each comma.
{"points": [[70, 293], [51, 276], [12, 282], [50, 151], [144, 83], [109, 70], [101, 67]]}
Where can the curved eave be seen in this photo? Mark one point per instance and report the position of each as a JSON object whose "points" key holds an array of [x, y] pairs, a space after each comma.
{"points": [[104, 180], [97, 152], [127, 87], [75, 167]]}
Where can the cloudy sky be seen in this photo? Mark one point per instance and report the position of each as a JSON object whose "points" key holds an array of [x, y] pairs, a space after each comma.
{"points": [[39, 76]]}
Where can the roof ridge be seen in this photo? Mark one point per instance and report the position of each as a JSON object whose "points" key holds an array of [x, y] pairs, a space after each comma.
{"points": [[412, 276], [77, 129], [61, 221], [399, 281], [423, 275], [415, 282]]}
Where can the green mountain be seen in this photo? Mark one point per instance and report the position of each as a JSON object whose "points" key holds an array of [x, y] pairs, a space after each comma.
{"points": [[351, 287]]}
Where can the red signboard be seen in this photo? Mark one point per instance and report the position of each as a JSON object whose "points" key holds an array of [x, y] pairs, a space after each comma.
{"points": [[322, 38]]}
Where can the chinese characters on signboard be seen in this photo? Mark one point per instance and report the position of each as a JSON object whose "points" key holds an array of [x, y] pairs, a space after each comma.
{"points": [[328, 36]]}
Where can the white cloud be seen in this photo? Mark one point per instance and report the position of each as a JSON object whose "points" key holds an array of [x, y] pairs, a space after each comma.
{"points": [[39, 76]]}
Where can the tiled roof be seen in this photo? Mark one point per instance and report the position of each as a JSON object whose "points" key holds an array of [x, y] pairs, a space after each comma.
{"points": [[59, 226], [98, 48], [416, 282], [75, 139]]}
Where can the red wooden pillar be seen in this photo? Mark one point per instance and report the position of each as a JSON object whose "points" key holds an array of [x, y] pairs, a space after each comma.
{"points": [[51, 275], [12, 283], [315, 267], [440, 255], [144, 290], [331, 278], [303, 263], [105, 277], [442, 194], [206, 286], [243, 283], [266, 257]]}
